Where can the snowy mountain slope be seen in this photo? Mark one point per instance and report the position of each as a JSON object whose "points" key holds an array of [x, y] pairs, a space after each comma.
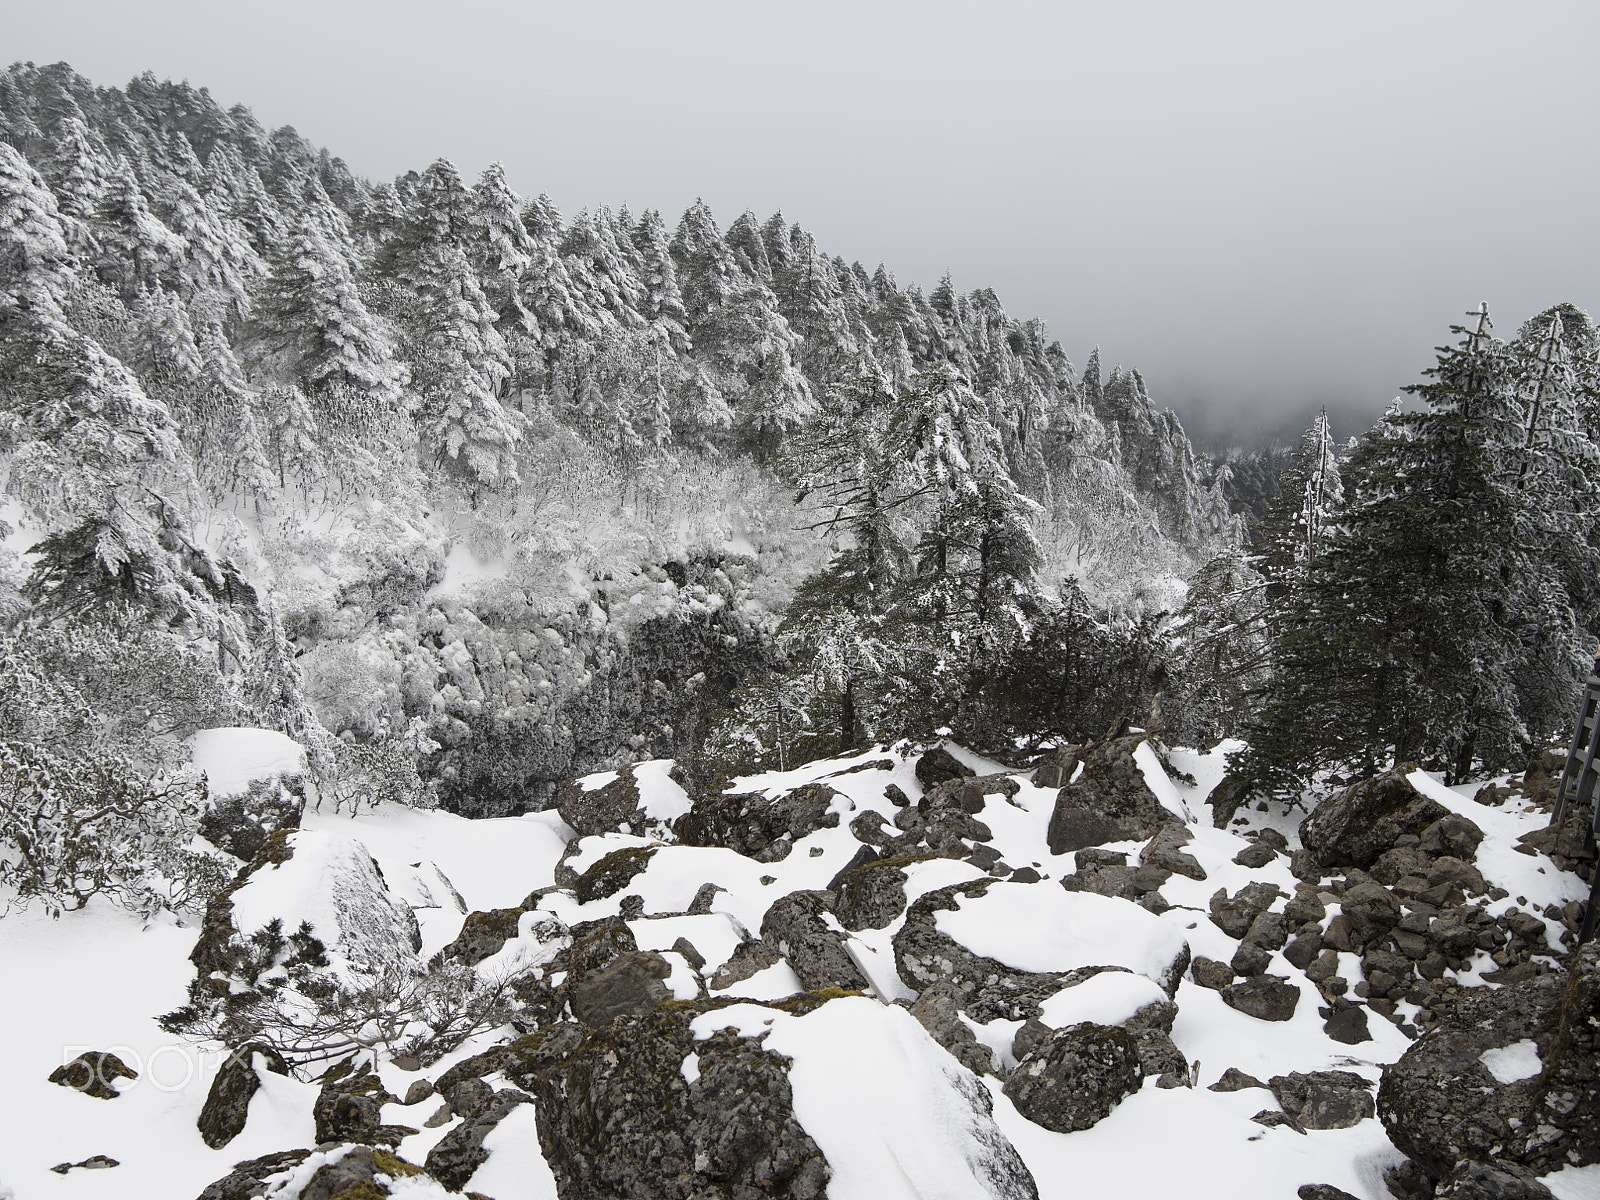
{"points": [[96, 980]]}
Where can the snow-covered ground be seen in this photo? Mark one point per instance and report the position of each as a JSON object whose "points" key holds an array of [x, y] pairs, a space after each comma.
{"points": [[96, 979]]}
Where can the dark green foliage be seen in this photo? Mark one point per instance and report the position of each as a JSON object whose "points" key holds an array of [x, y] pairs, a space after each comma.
{"points": [[1412, 635]]}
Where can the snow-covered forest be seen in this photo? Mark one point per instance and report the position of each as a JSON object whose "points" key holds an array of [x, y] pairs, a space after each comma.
{"points": [[423, 463], [396, 577]]}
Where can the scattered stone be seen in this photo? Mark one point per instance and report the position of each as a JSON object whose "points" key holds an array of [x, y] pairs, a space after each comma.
{"points": [[442, 1116], [1255, 855], [1235, 1080], [94, 1074], [1165, 852], [1076, 1076], [1324, 1099], [1265, 997], [419, 1091], [1323, 1191], [354, 1175]]}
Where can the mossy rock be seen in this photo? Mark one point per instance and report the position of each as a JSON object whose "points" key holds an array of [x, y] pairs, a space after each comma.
{"points": [[482, 936], [612, 873]]}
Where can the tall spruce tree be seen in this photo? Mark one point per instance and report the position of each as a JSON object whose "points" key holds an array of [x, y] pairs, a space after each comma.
{"points": [[1403, 643]]}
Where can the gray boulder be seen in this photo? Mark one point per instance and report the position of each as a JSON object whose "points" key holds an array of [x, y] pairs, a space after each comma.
{"points": [[618, 1118], [1324, 1099], [794, 926], [630, 985], [1109, 802], [457, 1155], [222, 1117], [1354, 826], [1076, 1076]]}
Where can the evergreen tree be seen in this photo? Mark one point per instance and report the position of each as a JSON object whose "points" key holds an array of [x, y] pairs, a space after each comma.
{"points": [[460, 366], [136, 250], [1403, 643], [1301, 514]]}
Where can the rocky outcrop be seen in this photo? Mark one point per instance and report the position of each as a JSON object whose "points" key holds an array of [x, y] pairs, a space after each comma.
{"points": [[1352, 827], [1075, 1077], [1109, 802], [1507, 1075]]}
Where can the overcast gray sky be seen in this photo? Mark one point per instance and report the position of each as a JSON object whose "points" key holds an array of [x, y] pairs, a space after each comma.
{"points": [[1264, 206]]}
